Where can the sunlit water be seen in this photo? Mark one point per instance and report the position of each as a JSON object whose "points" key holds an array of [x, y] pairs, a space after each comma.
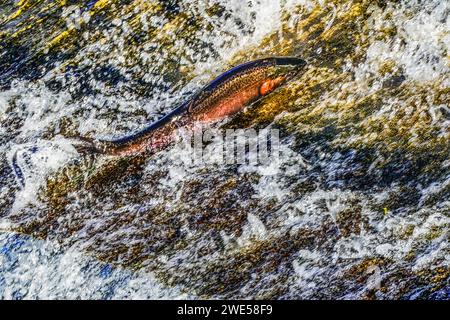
{"points": [[357, 207]]}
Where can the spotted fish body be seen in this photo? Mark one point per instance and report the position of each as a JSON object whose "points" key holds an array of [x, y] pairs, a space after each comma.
{"points": [[224, 96]]}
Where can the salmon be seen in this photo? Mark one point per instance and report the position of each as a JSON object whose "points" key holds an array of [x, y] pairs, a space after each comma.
{"points": [[226, 95]]}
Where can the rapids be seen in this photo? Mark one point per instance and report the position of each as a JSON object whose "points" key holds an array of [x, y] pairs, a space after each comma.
{"points": [[357, 206]]}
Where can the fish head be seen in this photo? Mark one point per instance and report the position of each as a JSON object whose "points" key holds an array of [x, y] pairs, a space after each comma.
{"points": [[284, 70]]}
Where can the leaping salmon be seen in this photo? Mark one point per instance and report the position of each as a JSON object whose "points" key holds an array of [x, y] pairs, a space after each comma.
{"points": [[224, 96]]}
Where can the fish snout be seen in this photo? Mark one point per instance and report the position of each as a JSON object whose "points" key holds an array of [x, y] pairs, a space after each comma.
{"points": [[290, 61], [290, 67]]}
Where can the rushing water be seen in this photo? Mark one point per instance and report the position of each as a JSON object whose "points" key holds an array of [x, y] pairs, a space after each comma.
{"points": [[356, 207]]}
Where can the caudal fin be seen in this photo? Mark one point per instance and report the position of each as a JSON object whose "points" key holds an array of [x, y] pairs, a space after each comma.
{"points": [[87, 146]]}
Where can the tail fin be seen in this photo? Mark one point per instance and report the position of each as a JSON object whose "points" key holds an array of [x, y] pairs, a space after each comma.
{"points": [[87, 146]]}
